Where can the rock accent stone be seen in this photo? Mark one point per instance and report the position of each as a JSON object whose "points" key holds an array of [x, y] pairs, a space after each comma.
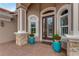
{"points": [[21, 39]]}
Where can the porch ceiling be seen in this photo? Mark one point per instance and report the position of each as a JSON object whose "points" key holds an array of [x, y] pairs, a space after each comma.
{"points": [[26, 5], [23, 5]]}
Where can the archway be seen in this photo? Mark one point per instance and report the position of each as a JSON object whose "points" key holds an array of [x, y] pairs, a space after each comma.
{"points": [[47, 23]]}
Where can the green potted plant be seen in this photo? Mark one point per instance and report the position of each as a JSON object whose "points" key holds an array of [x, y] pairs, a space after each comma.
{"points": [[56, 44], [31, 39], [56, 37]]}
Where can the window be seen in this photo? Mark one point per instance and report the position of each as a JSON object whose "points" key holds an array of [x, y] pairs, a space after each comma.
{"points": [[64, 12], [64, 22], [50, 26], [33, 24], [33, 27]]}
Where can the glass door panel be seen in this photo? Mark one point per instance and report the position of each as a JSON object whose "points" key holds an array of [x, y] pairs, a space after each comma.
{"points": [[47, 27], [44, 28], [50, 26]]}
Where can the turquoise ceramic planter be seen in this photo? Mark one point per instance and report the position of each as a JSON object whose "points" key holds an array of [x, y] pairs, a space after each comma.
{"points": [[31, 40], [56, 46]]}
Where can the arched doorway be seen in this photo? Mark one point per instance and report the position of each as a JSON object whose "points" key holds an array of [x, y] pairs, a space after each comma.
{"points": [[47, 24]]}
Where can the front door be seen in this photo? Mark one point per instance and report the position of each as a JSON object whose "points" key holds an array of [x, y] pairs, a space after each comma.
{"points": [[47, 27]]}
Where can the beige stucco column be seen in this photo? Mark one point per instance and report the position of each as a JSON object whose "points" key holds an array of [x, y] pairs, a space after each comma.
{"points": [[21, 34], [75, 19], [73, 40]]}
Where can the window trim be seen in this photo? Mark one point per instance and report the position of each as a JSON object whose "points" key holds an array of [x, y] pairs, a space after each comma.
{"points": [[63, 25], [64, 7], [37, 24]]}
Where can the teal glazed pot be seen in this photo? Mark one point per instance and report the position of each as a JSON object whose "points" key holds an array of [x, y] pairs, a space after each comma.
{"points": [[56, 46], [31, 40]]}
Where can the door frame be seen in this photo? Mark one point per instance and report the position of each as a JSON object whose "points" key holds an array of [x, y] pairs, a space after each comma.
{"points": [[42, 15], [47, 26]]}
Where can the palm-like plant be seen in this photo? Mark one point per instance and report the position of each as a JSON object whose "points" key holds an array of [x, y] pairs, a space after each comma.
{"points": [[56, 37]]}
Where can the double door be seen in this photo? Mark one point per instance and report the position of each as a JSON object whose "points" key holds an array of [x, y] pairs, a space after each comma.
{"points": [[47, 27]]}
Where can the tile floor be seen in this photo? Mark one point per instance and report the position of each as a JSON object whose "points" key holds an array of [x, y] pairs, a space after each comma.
{"points": [[38, 49]]}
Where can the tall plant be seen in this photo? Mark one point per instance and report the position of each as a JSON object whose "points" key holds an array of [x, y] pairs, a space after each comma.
{"points": [[56, 37]]}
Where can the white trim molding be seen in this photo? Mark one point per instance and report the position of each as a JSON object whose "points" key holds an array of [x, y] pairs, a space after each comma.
{"points": [[42, 15], [21, 19], [75, 18], [46, 9], [37, 24]]}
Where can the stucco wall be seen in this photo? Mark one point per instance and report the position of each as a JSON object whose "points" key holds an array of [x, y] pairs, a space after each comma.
{"points": [[35, 9], [46, 5], [59, 5], [7, 32]]}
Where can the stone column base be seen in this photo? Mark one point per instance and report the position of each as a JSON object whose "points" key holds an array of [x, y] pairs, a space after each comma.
{"points": [[21, 38]]}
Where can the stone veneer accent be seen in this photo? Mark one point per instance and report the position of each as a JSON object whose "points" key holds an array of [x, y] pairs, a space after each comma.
{"points": [[21, 39], [73, 47]]}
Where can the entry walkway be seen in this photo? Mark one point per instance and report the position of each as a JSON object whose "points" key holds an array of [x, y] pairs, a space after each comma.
{"points": [[39, 49]]}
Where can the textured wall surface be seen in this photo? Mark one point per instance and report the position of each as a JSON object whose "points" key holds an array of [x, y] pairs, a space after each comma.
{"points": [[7, 31]]}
